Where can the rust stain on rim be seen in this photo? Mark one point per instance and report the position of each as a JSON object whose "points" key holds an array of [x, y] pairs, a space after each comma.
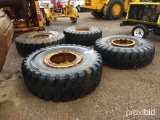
{"points": [[43, 36], [82, 29], [63, 59], [123, 42]]}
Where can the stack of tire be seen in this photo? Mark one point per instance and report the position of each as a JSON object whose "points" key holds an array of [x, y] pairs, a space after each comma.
{"points": [[71, 71]]}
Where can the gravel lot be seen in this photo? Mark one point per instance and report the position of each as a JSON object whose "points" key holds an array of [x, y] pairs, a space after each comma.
{"points": [[120, 94]]}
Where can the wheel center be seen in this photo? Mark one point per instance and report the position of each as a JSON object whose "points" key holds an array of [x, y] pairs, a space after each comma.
{"points": [[42, 36], [82, 29], [123, 42], [116, 9], [63, 59]]}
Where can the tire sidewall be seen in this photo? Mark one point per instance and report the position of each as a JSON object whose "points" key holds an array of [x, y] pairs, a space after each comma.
{"points": [[73, 29], [35, 61], [29, 37], [139, 41]]}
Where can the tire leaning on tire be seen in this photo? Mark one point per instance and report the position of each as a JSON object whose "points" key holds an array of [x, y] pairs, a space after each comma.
{"points": [[28, 42], [125, 57], [62, 84], [86, 35]]}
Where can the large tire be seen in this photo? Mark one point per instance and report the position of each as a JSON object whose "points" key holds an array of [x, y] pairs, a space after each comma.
{"points": [[47, 22], [140, 54], [86, 35], [62, 84], [140, 31], [114, 9], [97, 14], [28, 43]]}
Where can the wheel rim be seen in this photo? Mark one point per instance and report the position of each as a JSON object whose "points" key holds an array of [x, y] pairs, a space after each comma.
{"points": [[123, 42], [139, 32], [63, 59], [82, 29], [116, 9], [42, 36]]}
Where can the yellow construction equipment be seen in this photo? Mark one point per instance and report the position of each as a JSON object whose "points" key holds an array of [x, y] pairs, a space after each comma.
{"points": [[110, 9], [145, 17], [67, 11], [25, 14]]}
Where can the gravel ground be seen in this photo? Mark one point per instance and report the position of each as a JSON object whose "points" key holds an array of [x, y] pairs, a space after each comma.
{"points": [[120, 94]]}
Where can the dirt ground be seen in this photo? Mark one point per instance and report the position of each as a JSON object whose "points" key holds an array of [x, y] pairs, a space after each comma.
{"points": [[120, 95]]}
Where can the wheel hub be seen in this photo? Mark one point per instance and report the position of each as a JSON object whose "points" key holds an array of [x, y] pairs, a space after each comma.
{"points": [[63, 59], [42, 36], [116, 9], [139, 33], [123, 42], [82, 29]]}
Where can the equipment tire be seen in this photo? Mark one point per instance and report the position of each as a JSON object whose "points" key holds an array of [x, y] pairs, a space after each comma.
{"points": [[140, 31], [108, 12], [73, 20], [79, 9], [86, 35], [97, 14], [125, 57], [62, 84], [27, 43], [47, 22]]}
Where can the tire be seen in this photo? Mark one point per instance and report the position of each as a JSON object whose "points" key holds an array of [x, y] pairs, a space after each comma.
{"points": [[79, 9], [86, 35], [47, 22], [107, 10], [140, 31], [141, 54], [27, 43], [62, 84], [73, 20], [97, 14]]}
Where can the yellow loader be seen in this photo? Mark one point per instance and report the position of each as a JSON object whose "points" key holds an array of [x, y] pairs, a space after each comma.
{"points": [[110, 9]]}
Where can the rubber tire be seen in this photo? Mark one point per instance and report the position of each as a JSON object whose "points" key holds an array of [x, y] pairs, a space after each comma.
{"points": [[62, 84], [26, 43], [107, 10], [47, 22], [73, 20], [125, 57], [97, 14], [79, 9], [82, 37], [143, 27]]}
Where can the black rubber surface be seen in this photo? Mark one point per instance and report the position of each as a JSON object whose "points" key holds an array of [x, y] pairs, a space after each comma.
{"points": [[107, 10], [27, 43], [97, 14], [125, 57], [62, 84], [83, 37]]}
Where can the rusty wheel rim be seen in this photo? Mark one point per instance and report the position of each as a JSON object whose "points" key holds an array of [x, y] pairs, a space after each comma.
{"points": [[63, 59], [42, 36], [82, 29], [123, 42]]}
